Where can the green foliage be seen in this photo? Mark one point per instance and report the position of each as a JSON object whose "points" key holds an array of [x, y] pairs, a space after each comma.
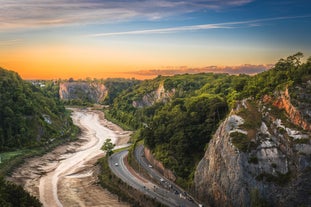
{"points": [[29, 115], [280, 178], [176, 130], [179, 131], [240, 141], [117, 85], [286, 72], [302, 141], [108, 146], [253, 159], [5, 156], [12, 195]]}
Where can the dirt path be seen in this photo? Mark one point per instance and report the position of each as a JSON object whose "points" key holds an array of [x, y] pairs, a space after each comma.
{"points": [[67, 175]]}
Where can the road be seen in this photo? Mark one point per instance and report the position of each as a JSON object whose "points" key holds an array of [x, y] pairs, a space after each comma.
{"points": [[161, 193], [156, 175]]}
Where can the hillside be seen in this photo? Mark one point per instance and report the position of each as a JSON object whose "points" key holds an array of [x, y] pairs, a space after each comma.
{"points": [[29, 118], [232, 140], [176, 116], [260, 154], [32, 120]]}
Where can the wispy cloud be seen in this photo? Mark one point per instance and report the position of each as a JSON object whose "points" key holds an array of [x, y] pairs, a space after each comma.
{"points": [[164, 30], [225, 25], [36, 13], [7, 43]]}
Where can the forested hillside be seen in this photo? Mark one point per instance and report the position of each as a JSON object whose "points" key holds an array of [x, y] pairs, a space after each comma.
{"points": [[32, 119], [260, 154], [29, 117], [177, 115]]}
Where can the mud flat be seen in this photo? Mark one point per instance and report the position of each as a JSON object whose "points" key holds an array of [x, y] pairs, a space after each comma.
{"points": [[67, 176]]}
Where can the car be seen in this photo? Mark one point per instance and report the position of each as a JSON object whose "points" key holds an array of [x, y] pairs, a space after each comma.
{"points": [[150, 166], [116, 164]]}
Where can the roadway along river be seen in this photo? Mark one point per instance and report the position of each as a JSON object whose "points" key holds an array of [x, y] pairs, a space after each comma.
{"points": [[161, 193]]}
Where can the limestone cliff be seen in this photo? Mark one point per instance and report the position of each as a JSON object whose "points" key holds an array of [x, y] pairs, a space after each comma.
{"points": [[258, 156], [88, 91], [158, 165], [159, 95], [298, 117]]}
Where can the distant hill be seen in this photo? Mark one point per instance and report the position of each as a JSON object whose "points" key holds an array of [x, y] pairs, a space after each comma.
{"points": [[93, 91]]}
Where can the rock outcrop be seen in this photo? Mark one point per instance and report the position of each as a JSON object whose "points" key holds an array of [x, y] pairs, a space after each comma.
{"points": [[159, 95], [87, 91], [296, 116], [247, 163], [158, 165]]}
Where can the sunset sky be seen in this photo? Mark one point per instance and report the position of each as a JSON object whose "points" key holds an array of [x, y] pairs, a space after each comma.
{"points": [[45, 39]]}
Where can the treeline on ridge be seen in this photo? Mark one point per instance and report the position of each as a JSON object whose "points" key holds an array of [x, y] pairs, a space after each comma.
{"points": [[177, 129], [29, 115]]}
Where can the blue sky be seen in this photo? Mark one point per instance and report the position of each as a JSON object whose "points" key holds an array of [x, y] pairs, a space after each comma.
{"points": [[79, 38]]}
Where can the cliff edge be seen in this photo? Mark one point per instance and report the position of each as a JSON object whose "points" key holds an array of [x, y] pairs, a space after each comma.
{"points": [[89, 91], [259, 156]]}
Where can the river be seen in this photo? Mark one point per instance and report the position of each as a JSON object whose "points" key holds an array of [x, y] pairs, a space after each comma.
{"points": [[67, 176]]}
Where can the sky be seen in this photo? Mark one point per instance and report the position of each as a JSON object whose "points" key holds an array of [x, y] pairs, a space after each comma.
{"points": [[48, 39]]}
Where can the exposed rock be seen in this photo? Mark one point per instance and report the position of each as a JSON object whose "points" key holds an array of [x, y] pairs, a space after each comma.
{"points": [[159, 95], [158, 165], [92, 92], [274, 169], [296, 116]]}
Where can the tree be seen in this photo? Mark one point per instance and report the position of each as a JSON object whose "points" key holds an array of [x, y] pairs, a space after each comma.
{"points": [[108, 146]]}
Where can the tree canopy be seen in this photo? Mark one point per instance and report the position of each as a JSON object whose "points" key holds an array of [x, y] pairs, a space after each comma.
{"points": [[29, 115], [177, 131]]}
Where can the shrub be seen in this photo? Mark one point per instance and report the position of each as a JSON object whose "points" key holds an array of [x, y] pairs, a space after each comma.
{"points": [[240, 141]]}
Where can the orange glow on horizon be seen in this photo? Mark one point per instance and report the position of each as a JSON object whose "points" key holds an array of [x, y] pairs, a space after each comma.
{"points": [[79, 62], [65, 62]]}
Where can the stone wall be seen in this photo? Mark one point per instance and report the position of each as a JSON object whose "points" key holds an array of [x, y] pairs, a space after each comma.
{"points": [[159, 166]]}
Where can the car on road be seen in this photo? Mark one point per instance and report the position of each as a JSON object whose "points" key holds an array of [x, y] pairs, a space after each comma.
{"points": [[150, 166], [116, 164]]}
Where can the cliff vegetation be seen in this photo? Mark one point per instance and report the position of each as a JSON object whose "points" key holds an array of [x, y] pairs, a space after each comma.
{"points": [[260, 154], [177, 116], [32, 120]]}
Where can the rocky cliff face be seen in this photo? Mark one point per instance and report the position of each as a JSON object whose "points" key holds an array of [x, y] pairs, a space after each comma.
{"points": [[258, 156], [298, 117], [92, 92], [159, 95], [158, 165]]}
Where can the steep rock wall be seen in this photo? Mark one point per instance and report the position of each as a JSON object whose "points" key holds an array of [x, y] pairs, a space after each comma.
{"points": [[93, 92], [158, 165], [284, 102], [275, 168], [159, 95]]}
